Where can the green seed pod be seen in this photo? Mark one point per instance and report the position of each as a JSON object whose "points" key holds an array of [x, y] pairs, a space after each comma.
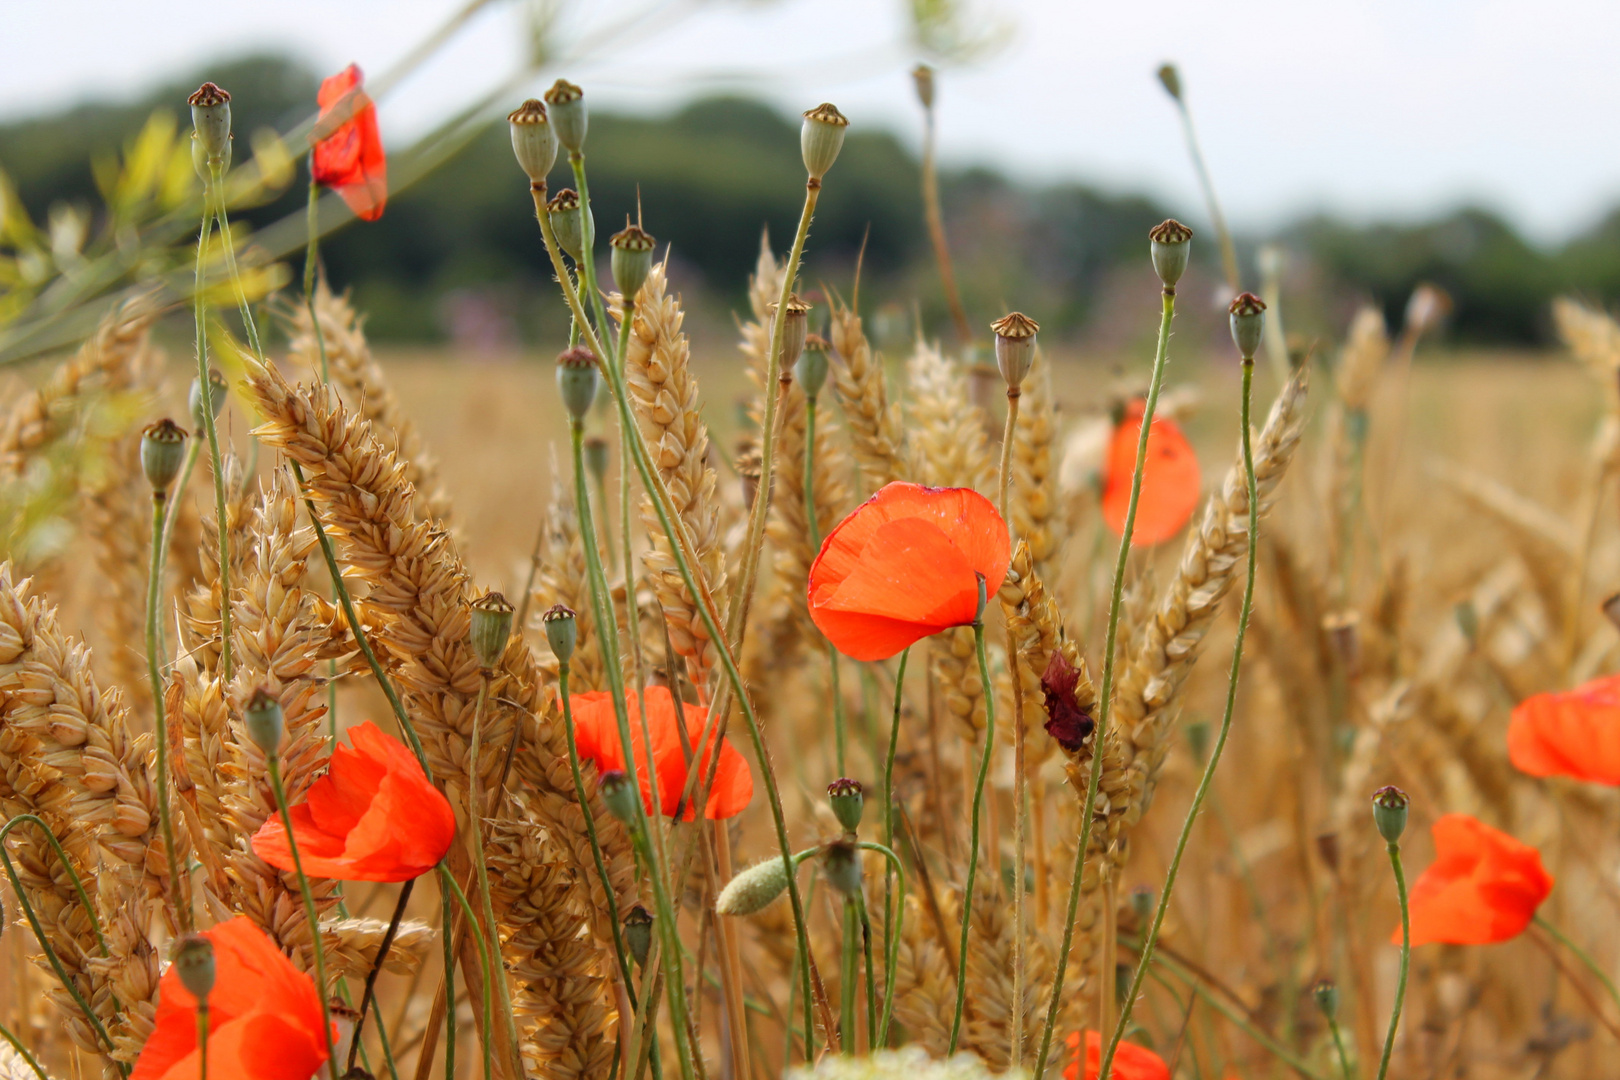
{"points": [[1171, 244], [264, 721], [1015, 346], [533, 140], [1327, 998], [1389, 812], [163, 451], [619, 794], [194, 963], [922, 81], [811, 368], [218, 390], [632, 259], [753, 890], [567, 103], [576, 381], [596, 457], [841, 863], [568, 223], [638, 934], [794, 330], [820, 139], [847, 802], [490, 625], [562, 631], [1170, 79], [1248, 318], [211, 123]]}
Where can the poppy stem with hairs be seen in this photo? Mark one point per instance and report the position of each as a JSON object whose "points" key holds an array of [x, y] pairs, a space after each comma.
{"points": [[1160, 360], [888, 818], [273, 763], [154, 593], [891, 953], [1394, 849], [475, 821], [200, 317], [978, 806], [849, 979], [202, 1040], [871, 975], [1579, 954], [587, 232], [311, 250], [369, 993], [840, 737], [1020, 780]]}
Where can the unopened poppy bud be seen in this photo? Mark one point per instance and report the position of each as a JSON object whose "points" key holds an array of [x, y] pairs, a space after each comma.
{"points": [[1389, 812], [847, 802], [217, 391], [1170, 79], [567, 223], [753, 889], [632, 259], [638, 934], [264, 721], [1141, 901], [1327, 998], [821, 138], [619, 794], [576, 380], [596, 457], [211, 122], [562, 631], [811, 368], [1015, 346], [194, 963], [795, 329], [163, 450], [841, 862], [490, 625], [533, 140], [1171, 244], [922, 81], [1248, 317], [567, 103]]}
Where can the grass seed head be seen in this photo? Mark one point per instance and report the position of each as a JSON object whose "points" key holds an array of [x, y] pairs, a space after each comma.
{"points": [[922, 81], [1170, 79]]}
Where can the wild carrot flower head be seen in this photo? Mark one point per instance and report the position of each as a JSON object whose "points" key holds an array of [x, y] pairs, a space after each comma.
{"points": [[373, 817], [1574, 733], [349, 154], [906, 564], [1483, 886], [1170, 479], [264, 1017], [1131, 1062]]}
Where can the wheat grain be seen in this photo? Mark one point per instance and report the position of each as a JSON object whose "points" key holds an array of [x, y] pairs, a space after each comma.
{"points": [[876, 430]]}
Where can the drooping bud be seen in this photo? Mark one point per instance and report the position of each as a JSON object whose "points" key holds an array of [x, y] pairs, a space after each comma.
{"points": [[1171, 244], [1389, 812], [841, 863], [632, 259], [567, 103], [576, 381], [568, 223], [596, 457], [533, 140], [1326, 994], [811, 368], [753, 889], [1170, 79], [562, 631], [1248, 318], [194, 963], [795, 328], [847, 801], [163, 451], [619, 794], [264, 721], [1015, 346], [490, 625], [821, 137], [211, 123], [922, 81], [218, 390], [638, 934]]}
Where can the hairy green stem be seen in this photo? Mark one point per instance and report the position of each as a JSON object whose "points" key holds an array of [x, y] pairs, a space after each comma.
{"points": [[848, 977], [889, 934], [487, 964], [273, 761], [202, 1040], [154, 593], [978, 806], [200, 315], [311, 251], [892, 949], [1581, 955], [475, 816], [1394, 849], [587, 244]]}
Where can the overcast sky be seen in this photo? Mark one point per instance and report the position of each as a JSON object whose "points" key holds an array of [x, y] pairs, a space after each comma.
{"points": [[1368, 108]]}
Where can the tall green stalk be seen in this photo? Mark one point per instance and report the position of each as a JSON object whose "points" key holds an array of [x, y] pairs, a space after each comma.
{"points": [[475, 816], [849, 978], [814, 530], [22, 1052], [978, 806], [273, 761], [1581, 955], [202, 1040], [200, 314], [888, 816], [1394, 849], [154, 593]]}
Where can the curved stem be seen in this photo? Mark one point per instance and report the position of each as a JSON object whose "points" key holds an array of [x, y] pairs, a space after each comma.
{"points": [[273, 761], [1579, 954], [936, 230], [154, 591], [368, 994], [892, 951], [1223, 236], [199, 310], [978, 806], [1394, 849], [587, 232], [446, 934], [475, 816]]}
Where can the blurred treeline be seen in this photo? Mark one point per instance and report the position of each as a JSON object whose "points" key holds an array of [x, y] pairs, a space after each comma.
{"points": [[458, 252]]}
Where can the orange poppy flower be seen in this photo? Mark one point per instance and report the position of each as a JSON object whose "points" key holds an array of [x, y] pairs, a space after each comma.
{"points": [[264, 1017], [905, 564], [1170, 481], [596, 733], [349, 152], [1131, 1062], [1483, 886], [1575, 733], [373, 817]]}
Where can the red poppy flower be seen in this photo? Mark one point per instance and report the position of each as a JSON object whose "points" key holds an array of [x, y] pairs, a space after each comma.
{"points": [[1575, 733], [596, 733], [348, 150], [1131, 1062], [264, 1017], [1170, 480], [1483, 886], [905, 564], [373, 817]]}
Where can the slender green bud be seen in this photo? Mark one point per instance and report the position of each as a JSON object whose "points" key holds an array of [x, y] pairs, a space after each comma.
{"points": [[562, 631], [489, 627], [632, 259], [1248, 318], [1171, 244], [1326, 994], [568, 223], [264, 721], [576, 381], [795, 329], [753, 889], [194, 963], [163, 451], [218, 390], [811, 368], [1170, 79], [533, 140], [211, 123], [620, 795], [847, 802], [567, 103], [638, 934], [1389, 812], [922, 81], [1015, 346], [820, 139], [596, 457], [841, 863]]}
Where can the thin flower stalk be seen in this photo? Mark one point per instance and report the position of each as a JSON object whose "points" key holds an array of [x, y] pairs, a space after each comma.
{"points": [[840, 724], [475, 821], [448, 881], [1020, 780], [22, 1051], [202, 1039], [976, 813], [154, 593], [1394, 849], [272, 760], [368, 995], [1580, 954], [200, 315], [891, 938], [892, 947], [849, 978]]}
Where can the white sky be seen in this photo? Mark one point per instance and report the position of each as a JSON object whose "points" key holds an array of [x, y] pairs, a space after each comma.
{"points": [[1368, 108]]}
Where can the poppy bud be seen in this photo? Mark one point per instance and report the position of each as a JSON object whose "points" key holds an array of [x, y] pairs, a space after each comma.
{"points": [[596, 457], [794, 330], [1170, 79], [922, 81], [163, 449], [576, 381], [753, 889], [1389, 812], [811, 368], [217, 390], [1248, 318], [563, 210], [567, 103], [211, 122], [562, 631], [491, 625], [1015, 346], [632, 259], [620, 795], [1141, 901], [264, 721], [841, 862], [1327, 998], [638, 934], [847, 802], [821, 138], [533, 140], [1171, 244], [194, 963]]}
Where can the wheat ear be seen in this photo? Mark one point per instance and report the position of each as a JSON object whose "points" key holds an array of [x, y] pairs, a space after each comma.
{"points": [[876, 430]]}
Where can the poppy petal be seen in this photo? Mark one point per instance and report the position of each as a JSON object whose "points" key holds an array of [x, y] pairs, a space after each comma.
{"points": [[1575, 733], [1484, 886], [885, 582], [1171, 479], [1131, 1062]]}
